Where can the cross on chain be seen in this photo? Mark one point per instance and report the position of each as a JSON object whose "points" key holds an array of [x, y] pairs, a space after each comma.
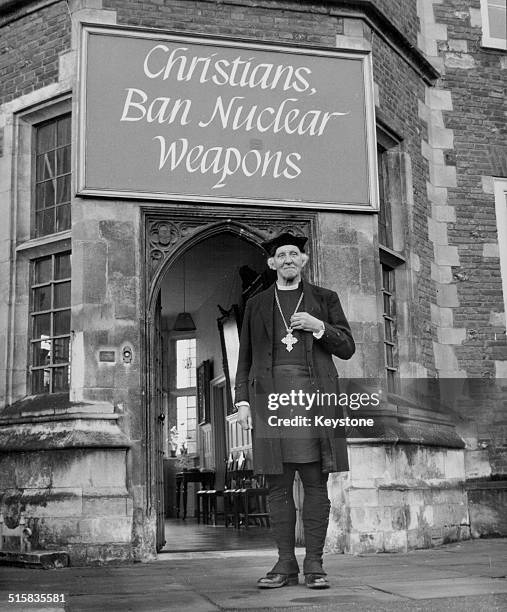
{"points": [[289, 340]]}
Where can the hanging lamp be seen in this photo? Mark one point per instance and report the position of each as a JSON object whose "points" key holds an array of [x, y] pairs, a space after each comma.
{"points": [[184, 321]]}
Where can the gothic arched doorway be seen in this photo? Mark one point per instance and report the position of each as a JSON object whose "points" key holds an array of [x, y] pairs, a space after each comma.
{"points": [[205, 268]]}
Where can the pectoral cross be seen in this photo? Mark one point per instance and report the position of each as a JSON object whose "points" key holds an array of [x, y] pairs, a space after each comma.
{"points": [[289, 340]]}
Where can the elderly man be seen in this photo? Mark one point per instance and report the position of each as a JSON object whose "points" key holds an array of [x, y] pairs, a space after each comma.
{"points": [[290, 332]]}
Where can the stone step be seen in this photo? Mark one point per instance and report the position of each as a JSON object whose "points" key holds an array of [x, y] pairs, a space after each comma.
{"points": [[41, 559]]}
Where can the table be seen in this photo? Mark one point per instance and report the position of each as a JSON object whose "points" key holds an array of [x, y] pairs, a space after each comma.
{"points": [[205, 477]]}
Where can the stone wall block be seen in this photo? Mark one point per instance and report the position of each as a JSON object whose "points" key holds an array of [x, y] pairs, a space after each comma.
{"points": [[451, 335], [53, 532], [445, 359], [413, 512], [450, 514], [437, 232], [459, 45], [124, 292], [371, 360], [438, 99], [363, 497], [490, 249], [366, 542], [106, 530], [367, 463], [93, 270], [341, 264], [441, 138], [477, 464], [418, 538], [52, 502], [437, 195], [446, 214], [443, 176], [363, 308], [414, 462], [392, 497], [441, 274], [459, 60], [395, 541], [441, 316], [487, 512], [91, 469], [454, 462], [448, 495], [447, 295], [105, 506]]}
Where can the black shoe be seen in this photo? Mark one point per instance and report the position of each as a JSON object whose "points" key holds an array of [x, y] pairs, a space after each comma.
{"points": [[316, 581], [275, 581]]}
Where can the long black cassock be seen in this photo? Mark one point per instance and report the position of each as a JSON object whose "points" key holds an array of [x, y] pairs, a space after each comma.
{"points": [[255, 380]]}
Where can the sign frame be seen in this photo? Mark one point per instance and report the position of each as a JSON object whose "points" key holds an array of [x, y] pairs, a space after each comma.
{"points": [[84, 190]]}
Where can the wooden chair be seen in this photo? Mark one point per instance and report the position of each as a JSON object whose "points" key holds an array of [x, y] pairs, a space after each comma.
{"points": [[203, 502], [207, 504], [253, 503]]}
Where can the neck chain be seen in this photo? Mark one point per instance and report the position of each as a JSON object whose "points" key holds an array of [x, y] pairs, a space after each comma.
{"points": [[289, 339]]}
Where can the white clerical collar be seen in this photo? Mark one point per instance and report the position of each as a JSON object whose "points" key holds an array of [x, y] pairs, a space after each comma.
{"points": [[287, 287]]}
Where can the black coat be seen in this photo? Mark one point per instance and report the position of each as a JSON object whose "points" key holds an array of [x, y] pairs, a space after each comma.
{"points": [[254, 374]]}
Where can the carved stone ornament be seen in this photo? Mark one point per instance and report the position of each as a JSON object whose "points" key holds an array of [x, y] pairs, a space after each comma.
{"points": [[164, 237]]}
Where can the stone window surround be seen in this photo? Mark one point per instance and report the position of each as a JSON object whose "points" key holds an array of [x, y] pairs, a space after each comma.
{"points": [[27, 248], [392, 255], [398, 259], [500, 189]]}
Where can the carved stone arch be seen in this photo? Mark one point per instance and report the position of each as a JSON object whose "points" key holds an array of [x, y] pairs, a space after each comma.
{"points": [[168, 231], [168, 236]]}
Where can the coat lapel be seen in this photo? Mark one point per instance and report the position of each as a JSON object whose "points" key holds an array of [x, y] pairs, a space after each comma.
{"points": [[266, 310], [311, 305]]}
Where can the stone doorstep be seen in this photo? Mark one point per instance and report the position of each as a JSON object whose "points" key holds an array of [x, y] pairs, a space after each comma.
{"points": [[38, 559]]}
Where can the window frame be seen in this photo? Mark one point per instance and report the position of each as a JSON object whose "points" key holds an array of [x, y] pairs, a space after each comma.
{"points": [[26, 124], [36, 126], [489, 41], [389, 318], [31, 317], [176, 392], [389, 258]]}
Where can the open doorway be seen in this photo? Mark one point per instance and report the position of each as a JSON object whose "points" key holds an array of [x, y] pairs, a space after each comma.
{"points": [[202, 298]]}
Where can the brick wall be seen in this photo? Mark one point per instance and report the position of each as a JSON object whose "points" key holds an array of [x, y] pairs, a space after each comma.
{"points": [[477, 83], [29, 48], [474, 79]]}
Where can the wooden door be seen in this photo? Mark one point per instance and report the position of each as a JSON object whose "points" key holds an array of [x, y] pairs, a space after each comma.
{"points": [[159, 416]]}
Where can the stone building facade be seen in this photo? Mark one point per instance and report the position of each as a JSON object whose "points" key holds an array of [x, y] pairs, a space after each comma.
{"points": [[92, 283]]}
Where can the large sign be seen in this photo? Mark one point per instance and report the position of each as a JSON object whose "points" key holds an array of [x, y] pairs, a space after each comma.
{"points": [[200, 119]]}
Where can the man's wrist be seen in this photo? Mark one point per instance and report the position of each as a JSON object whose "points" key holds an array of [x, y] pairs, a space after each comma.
{"points": [[320, 332]]}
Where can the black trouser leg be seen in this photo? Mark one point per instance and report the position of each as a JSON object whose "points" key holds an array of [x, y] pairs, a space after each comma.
{"points": [[282, 514], [316, 508]]}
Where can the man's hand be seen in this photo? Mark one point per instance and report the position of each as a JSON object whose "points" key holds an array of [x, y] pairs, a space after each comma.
{"points": [[305, 322], [245, 416]]}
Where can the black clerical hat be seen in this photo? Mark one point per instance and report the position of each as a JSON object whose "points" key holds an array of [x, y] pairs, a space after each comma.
{"points": [[283, 239]]}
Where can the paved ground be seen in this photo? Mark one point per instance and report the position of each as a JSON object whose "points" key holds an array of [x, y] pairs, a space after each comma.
{"points": [[468, 576]]}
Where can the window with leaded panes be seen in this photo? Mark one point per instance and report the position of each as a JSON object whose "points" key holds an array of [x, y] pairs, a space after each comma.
{"points": [[384, 216], [184, 393], [185, 363], [50, 323], [389, 317], [52, 176], [391, 241]]}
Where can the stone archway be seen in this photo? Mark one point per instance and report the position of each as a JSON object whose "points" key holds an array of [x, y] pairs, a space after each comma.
{"points": [[168, 233]]}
